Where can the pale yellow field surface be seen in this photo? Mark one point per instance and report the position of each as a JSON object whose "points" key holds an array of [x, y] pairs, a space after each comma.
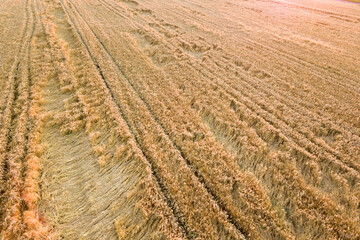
{"points": [[179, 119]]}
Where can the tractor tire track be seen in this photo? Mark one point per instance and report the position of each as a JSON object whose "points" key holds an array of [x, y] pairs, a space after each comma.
{"points": [[167, 196], [198, 176], [18, 133], [254, 88]]}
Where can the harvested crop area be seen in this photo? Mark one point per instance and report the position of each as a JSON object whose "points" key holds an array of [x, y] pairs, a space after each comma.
{"points": [[169, 119]]}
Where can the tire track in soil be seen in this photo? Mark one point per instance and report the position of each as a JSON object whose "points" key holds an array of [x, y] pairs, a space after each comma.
{"points": [[196, 174], [86, 174], [17, 133], [269, 47], [8, 117], [327, 149], [311, 151], [168, 199]]}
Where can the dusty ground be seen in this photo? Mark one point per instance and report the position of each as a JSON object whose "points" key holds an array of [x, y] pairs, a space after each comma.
{"points": [[191, 119]]}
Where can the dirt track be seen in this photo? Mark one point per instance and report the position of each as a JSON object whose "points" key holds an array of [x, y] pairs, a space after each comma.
{"points": [[191, 119]]}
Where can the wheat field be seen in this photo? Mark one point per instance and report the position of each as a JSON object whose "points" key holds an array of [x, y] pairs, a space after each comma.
{"points": [[169, 119]]}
